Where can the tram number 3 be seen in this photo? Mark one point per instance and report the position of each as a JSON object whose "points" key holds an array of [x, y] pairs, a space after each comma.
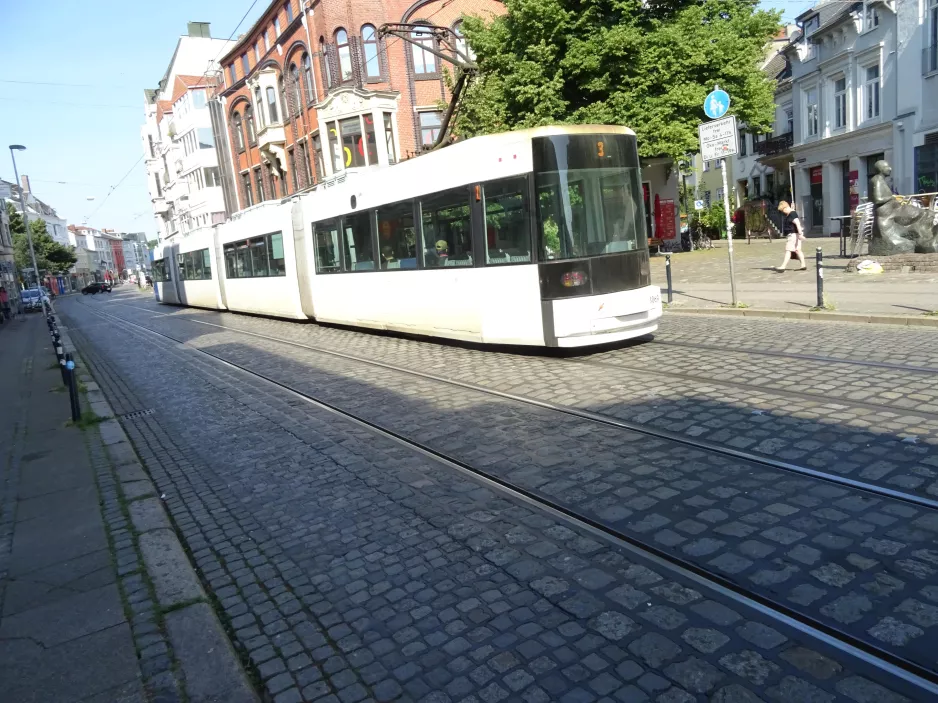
{"points": [[601, 149]]}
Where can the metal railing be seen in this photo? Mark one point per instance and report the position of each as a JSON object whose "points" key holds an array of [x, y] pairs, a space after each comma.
{"points": [[775, 145]]}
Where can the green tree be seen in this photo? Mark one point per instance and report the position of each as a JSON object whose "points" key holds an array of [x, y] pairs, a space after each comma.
{"points": [[51, 257], [647, 65]]}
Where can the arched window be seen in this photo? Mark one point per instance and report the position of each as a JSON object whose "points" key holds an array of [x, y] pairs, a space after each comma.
{"points": [[345, 54], [326, 66], [284, 105], [260, 106], [272, 105], [238, 132], [249, 124], [295, 88], [370, 51], [424, 61], [462, 46], [308, 77]]}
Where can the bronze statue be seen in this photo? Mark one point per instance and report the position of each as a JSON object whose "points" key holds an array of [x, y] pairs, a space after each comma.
{"points": [[898, 228]]}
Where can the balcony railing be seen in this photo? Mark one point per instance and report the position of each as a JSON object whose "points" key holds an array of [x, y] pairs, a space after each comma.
{"points": [[775, 145], [930, 59]]}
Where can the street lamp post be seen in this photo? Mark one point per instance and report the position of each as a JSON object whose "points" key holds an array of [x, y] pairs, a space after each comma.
{"points": [[29, 235]]}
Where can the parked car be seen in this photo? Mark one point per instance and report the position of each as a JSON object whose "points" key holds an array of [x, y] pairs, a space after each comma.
{"points": [[32, 299], [95, 288]]}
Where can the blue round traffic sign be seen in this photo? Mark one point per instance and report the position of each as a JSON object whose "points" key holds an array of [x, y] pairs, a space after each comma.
{"points": [[716, 104]]}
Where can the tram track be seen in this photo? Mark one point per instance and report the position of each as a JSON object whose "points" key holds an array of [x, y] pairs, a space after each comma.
{"points": [[923, 679], [801, 357], [695, 443]]}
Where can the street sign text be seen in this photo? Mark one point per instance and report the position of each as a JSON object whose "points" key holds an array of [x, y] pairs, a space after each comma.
{"points": [[718, 138]]}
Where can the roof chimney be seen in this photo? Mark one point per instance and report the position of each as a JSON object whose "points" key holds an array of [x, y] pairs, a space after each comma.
{"points": [[24, 184], [200, 29]]}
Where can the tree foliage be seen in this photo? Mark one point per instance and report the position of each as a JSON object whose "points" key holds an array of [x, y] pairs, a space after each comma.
{"points": [[648, 66], [51, 257]]}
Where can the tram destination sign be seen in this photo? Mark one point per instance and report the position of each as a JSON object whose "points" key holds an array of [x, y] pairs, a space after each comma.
{"points": [[718, 138]]}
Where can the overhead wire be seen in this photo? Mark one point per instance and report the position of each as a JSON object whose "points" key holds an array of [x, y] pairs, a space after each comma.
{"points": [[115, 187]]}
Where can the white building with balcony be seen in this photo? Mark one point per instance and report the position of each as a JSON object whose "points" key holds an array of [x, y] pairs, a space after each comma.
{"points": [[860, 84], [178, 143]]}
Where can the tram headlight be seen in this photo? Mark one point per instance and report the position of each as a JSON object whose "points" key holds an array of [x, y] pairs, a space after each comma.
{"points": [[574, 279]]}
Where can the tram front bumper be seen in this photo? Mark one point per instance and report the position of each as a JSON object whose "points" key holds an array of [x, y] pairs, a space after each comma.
{"points": [[600, 319]]}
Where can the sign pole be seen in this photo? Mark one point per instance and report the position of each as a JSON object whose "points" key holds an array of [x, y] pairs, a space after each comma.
{"points": [[729, 231]]}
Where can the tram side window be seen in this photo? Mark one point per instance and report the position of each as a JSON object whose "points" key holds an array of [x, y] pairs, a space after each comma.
{"points": [[181, 267], [397, 236], [507, 225], [231, 261], [359, 249], [278, 265], [243, 269], [161, 272], [195, 265], [326, 234], [447, 229], [259, 256]]}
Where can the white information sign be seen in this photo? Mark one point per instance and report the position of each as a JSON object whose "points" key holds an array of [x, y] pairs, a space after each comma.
{"points": [[698, 204], [718, 138]]}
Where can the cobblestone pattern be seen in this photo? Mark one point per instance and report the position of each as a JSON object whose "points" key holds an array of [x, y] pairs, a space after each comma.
{"points": [[158, 666], [890, 447], [350, 568], [858, 563], [860, 342]]}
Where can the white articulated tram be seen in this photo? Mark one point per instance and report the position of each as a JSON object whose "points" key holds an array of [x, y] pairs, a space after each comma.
{"points": [[535, 237]]}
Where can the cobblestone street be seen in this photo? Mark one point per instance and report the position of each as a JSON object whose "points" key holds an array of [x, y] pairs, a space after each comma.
{"points": [[713, 504]]}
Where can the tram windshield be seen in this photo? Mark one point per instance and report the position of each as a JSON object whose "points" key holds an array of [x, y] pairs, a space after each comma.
{"points": [[589, 195]]}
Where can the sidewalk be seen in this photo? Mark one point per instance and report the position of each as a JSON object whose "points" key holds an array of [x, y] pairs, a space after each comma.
{"points": [[701, 280], [88, 612]]}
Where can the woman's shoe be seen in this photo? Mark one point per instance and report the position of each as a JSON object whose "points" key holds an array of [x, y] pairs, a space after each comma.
{"points": [[780, 269], [803, 268]]}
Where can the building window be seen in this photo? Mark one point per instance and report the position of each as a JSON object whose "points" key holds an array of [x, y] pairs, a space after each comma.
{"points": [[259, 180], [742, 143], [266, 42], [429, 127], [706, 166], [249, 124], [389, 138], [371, 145], [707, 198], [320, 162], [245, 65], [303, 177], [352, 146], [308, 77], [260, 107], [206, 138], [284, 109], [295, 88], [931, 50], [276, 27], [272, 105], [308, 168], [289, 9], [424, 61], [246, 185], [325, 58], [232, 76], [210, 177], [345, 54], [462, 46], [870, 17], [198, 99], [789, 119], [271, 181], [370, 51], [811, 123], [238, 132], [840, 103], [152, 150], [871, 92], [257, 53]]}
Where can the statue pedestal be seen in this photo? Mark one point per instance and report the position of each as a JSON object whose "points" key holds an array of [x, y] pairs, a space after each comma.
{"points": [[901, 263]]}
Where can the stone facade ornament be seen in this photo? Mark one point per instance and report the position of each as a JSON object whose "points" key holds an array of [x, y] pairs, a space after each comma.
{"points": [[898, 227]]}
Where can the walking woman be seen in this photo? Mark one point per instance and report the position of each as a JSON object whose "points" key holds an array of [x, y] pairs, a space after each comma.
{"points": [[794, 234]]}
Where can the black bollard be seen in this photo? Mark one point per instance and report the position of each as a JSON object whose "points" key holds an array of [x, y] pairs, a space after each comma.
{"points": [[667, 268], [72, 385], [820, 278]]}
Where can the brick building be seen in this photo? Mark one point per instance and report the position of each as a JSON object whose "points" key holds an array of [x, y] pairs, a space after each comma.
{"points": [[310, 93]]}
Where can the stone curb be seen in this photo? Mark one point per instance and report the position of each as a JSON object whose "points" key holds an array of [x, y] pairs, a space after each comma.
{"points": [[210, 668], [901, 320]]}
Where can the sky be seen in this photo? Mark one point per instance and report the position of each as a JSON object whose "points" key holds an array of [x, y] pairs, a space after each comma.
{"points": [[71, 91]]}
